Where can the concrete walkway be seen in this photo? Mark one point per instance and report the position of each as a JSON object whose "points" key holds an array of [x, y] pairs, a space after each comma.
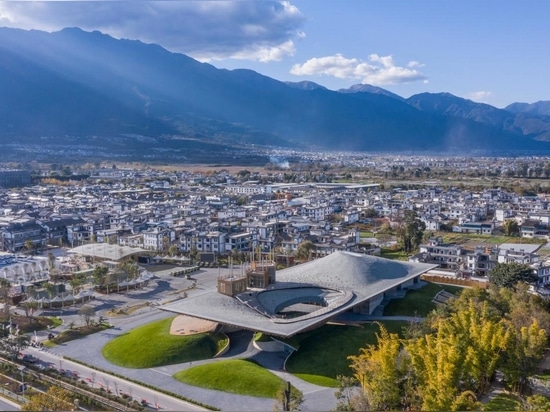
{"points": [[88, 350]]}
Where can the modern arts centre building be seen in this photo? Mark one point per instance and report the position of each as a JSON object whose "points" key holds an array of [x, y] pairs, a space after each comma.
{"points": [[302, 297]]}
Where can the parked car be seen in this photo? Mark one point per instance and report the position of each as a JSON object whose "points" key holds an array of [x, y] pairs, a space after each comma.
{"points": [[29, 358]]}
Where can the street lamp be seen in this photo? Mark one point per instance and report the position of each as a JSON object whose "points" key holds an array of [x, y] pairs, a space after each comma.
{"points": [[21, 369]]}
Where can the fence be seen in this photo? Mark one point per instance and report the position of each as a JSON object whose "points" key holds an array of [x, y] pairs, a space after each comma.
{"points": [[454, 281]]}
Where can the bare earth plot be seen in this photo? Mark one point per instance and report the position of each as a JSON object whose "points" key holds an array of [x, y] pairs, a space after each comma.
{"points": [[188, 325]]}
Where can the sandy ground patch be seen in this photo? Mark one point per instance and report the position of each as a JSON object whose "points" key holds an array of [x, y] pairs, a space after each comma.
{"points": [[188, 325]]}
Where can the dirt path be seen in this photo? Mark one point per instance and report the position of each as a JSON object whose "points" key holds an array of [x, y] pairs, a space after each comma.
{"points": [[188, 325]]}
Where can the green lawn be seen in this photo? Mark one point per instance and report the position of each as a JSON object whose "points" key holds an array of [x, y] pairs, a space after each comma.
{"points": [[418, 302], [238, 376], [152, 345], [459, 238], [504, 402], [323, 352], [394, 254]]}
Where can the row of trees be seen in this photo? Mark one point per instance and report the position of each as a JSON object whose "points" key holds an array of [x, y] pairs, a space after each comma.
{"points": [[448, 361]]}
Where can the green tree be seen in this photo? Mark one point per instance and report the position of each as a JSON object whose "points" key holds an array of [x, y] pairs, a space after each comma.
{"points": [[99, 274], [5, 287], [537, 403], [29, 245], [193, 254], [511, 228], [370, 213], [304, 249], [508, 275], [29, 308], [12, 342], [410, 231], [173, 250]]}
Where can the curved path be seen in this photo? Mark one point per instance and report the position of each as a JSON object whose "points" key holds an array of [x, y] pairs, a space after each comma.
{"points": [[88, 350]]}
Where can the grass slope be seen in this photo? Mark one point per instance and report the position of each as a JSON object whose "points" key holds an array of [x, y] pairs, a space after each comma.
{"points": [[418, 302], [239, 376], [152, 345], [323, 353]]}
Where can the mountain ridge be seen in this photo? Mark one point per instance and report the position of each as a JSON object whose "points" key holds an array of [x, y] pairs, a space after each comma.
{"points": [[79, 83]]}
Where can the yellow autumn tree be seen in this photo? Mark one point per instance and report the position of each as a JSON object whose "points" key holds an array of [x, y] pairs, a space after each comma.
{"points": [[54, 399], [380, 371], [435, 361], [523, 354], [482, 340]]}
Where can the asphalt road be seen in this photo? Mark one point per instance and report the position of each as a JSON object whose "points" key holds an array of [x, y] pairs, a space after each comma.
{"points": [[8, 405]]}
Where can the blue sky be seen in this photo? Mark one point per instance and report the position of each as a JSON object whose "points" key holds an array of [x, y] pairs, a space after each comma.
{"points": [[491, 51]]}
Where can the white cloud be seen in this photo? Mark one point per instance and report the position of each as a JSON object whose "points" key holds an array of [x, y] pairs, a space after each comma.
{"points": [[480, 96], [378, 70], [206, 30]]}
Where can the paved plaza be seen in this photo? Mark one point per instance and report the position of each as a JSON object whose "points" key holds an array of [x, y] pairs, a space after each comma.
{"points": [[163, 289]]}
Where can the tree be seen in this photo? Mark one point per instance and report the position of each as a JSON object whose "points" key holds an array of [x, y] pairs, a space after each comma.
{"points": [[12, 342], [54, 399], [508, 275], [29, 245], [51, 260], [380, 370], [173, 250], [193, 253], [537, 403], [410, 231], [483, 337], [304, 249], [99, 274], [29, 308], [88, 313], [370, 213], [511, 228], [435, 361], [349, 395], [5, 287], [523, 355], [50, 288], [76, 283], [165, 243], [288, 398]]}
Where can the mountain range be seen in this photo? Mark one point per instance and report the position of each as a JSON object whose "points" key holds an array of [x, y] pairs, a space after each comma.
{"points": [[72, 90]]}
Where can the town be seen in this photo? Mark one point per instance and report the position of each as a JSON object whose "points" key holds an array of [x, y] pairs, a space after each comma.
{"points": [[73, 237]]}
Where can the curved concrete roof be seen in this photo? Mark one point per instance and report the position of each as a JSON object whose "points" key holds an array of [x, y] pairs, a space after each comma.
{"points": [[360, 276], [350, 270]]}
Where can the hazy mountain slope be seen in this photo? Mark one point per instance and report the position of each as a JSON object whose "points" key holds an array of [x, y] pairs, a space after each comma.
{"points": [[540, 108], [78, 83], [367, 88], [522, 124]]}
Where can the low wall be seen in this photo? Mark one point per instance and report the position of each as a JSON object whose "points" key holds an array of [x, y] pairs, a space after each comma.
{"points": [[271, 346], [454, 281]]}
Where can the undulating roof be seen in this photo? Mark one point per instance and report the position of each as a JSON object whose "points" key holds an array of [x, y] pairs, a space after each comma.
{"points": [[358, 277]]}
